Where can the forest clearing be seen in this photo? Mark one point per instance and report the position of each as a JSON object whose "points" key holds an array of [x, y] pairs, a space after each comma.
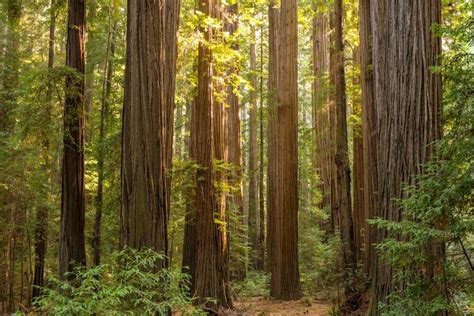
{"points": [[237, 157]]}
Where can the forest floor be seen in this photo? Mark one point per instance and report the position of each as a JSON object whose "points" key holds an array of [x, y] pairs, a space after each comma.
{"points": [[266, 307]]}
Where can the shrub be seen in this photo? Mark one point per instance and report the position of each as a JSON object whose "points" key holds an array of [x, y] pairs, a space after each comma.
{"points": [[130, 285]]}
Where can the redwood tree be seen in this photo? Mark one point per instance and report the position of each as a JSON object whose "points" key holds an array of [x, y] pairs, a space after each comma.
{"points": [[321, 124], [234, 144], [72, 243], [285, 283], [147, 123], [204, 250], [13, 243], [359, 215], [368, 127], [273, 26], [407, 105], [42, 214], [343, 201], [253, 171]]}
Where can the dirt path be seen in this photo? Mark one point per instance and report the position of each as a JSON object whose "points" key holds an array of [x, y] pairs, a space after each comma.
{"points": [[265, 307]]}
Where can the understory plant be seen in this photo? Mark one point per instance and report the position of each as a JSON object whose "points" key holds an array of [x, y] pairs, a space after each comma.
{"points": [[131, 285]]}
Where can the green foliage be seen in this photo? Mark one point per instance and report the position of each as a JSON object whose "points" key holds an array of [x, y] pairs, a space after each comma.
{"points": [[128, 286], [320, 265], [256, 284], [438, 210], [182, 192]]}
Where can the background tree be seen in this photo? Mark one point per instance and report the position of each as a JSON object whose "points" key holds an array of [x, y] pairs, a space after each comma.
{"points": [[273, 26], [204, 250], [369, 127], [234, 139], [261, 167], [253, 166], [341, 159], [14, 244], [72, 240], [104, 115], [42, 215], [320, 99]]}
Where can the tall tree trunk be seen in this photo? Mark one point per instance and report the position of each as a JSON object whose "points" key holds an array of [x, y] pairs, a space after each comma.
{"points": [[90, 67], [234, 145], [322, 162], [253, 171], [273, 27], [285, 283], [148, 124], [8, 102], [369, 129], [407, 104], [341, 159], [5, 236], [206, 238], [358, 169], [11, 65], [72, 243], [358, 182], [41, 229], [104, 114], [220, 154], [261, 188]]}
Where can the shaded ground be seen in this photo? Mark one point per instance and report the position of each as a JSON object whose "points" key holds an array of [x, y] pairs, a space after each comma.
{"points": [[266, 307]]}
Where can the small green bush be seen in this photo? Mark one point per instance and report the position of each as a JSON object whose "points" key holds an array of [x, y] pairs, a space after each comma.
{"points": [[256, 284], [129, 286]]}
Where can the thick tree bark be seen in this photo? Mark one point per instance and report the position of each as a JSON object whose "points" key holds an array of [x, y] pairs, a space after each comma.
{"points": [[253, 166], [285, 282], [273, 27], [407, 104], [343, 198], [42, 215], [147, 124], [369, 129], [205, 249], [321, 124], [72, 243]]}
